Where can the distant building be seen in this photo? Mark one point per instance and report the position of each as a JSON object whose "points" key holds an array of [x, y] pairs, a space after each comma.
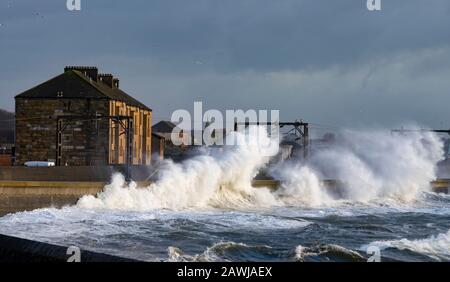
{"points": [[171, 151], [158, 146], [165, 129], [83, 93]]}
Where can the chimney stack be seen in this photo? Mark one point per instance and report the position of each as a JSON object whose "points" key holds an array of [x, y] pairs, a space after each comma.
{"points": [[106, 79], [116, 83], [90, 72]]}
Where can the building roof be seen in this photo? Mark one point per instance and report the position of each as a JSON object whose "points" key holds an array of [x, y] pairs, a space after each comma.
{"points": [[74, 84], [164, 126], [158, 135]]}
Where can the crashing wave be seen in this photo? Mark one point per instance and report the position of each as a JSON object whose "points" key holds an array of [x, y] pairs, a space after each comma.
{"points": [[436, 247], [219, 252], [327, 252], [372, 165]]}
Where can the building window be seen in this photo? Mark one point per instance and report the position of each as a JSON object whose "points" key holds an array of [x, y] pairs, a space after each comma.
{"points": [[67, 138]]}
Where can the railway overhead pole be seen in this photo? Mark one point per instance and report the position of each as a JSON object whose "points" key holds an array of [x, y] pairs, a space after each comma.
{"points": [[300, 129]]}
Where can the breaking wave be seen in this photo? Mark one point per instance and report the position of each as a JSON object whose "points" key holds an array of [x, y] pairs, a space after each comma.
{"points": [[436, 247], [228, 251], [328, 252], [220, 252], [370, 166]]}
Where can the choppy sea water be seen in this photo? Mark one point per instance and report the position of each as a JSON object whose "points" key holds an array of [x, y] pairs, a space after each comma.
{"points": [[205, 209], [417, 231]]}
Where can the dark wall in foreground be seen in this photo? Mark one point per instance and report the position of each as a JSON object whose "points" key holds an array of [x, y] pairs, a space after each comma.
{"points": [[14, 249]]}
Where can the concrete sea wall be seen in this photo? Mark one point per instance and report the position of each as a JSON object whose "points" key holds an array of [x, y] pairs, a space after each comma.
{"points": [[70, 173], [29, 195], [24, 189]]}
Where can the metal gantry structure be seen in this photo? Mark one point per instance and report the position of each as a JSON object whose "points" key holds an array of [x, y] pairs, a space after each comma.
{"points": [[125, 122], [445, 131], [299, 127]]}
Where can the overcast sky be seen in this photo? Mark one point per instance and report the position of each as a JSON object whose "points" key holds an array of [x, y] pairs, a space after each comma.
{"points": [[328, 62]]}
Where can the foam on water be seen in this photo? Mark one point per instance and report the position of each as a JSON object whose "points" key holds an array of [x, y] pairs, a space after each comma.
{"points": [[218, 252], [436, 247], [339, 252]]}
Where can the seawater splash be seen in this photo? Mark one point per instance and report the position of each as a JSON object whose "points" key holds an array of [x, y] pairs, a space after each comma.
{"points": [[372, 165], [217, 179]]}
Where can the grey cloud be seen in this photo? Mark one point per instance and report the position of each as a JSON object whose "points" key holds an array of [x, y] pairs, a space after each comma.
{"points": [[323, 60]]}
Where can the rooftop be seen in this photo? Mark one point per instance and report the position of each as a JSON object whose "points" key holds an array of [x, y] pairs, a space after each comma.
{"points": [[80, 82], [164, 126]]}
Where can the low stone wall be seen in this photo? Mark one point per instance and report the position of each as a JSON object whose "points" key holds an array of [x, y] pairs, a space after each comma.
{"points": [[71, 173], [18, 196], [29, 188], [27, 195]]}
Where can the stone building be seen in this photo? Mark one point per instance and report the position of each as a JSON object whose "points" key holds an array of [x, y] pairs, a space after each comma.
{"points": [[165, 128], [84, 102], [172, 151]]}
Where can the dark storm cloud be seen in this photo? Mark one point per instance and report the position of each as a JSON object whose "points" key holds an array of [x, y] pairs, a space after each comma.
{"points": [[243, 53], [268, 35]]}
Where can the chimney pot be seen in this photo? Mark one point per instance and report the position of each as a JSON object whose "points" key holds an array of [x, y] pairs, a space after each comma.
{"points": [[106, 79], [90, 72]]}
